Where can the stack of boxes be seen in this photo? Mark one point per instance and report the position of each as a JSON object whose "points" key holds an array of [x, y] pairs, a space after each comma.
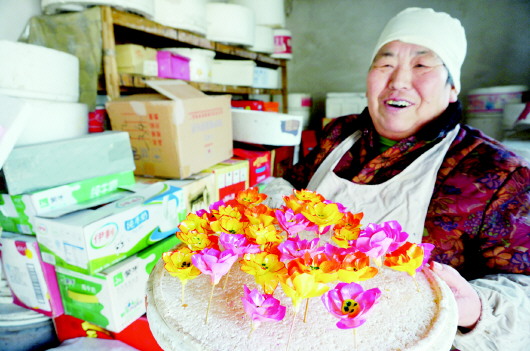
{"points": [[85, 219]]}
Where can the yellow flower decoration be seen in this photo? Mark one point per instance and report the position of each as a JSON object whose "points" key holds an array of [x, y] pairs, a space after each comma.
{"points": [[194, 240], [194, 223], [266, 268], [356, 267], [308, 196], [227, 211], [407, 258], [323, 214], [263, 234], [226, 224], [178, 264], [302, 286]]}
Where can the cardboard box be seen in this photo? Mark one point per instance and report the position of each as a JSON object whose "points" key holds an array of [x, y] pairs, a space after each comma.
{"points": [[137, 334], [18, 211], [136, 59], [32, 282], [231, 177], [266, 78], [42, 166], [198, 191], [259, 164], [115, 297], [91, 240], [177, 136]]}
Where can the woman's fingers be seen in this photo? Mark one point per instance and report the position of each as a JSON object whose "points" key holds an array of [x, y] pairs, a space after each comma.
{"points": [[467, 300]]}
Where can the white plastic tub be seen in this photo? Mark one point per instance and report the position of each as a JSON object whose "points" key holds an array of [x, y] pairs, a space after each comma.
{"points": [[269, 128]]}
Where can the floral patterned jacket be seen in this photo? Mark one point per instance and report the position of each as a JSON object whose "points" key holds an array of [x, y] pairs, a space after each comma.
{"points": [[479, 214], [478, 218]]}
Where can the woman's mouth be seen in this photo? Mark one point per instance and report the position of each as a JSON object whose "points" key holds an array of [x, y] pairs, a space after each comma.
{"points": [[397, 103]]}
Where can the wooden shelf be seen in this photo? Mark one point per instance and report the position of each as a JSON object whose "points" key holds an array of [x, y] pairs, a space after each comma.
{"points": [[137, 81], [135, 29]]}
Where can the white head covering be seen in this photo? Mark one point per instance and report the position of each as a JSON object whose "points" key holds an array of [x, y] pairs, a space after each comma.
{"points": [[436, 31]]}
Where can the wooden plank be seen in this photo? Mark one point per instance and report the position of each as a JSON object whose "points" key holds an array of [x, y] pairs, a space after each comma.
{"points": [[285, 102], [142, 24], [110, 67]]}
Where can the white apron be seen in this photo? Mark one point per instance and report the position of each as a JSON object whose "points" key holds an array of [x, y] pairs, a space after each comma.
{"points": [[404, 198]]}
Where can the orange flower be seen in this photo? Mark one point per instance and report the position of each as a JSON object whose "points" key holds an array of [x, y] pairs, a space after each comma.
{"points": [[407, 258], [496, 257], [266, 268], [250, 197], [323, 268], [308, 196], [355, 267]]}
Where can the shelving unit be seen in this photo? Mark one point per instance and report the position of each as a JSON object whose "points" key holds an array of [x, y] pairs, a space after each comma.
{"points": [[123, 27]]}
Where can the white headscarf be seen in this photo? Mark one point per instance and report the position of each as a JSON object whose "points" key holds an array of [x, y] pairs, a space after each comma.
{"points": [[436, 31]]}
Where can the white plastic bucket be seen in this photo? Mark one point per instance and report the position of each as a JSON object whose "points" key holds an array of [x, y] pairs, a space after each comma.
{"points": [[282, 44], [183, 14], [263, 40], [268, 13], [493, 99], [230, 23], [510, 114]]}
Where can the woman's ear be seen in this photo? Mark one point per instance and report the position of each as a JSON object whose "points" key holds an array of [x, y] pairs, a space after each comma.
{"points": [[453, 95]]}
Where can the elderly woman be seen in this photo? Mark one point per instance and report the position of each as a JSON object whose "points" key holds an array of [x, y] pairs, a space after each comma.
{"points": [[408, 158]]}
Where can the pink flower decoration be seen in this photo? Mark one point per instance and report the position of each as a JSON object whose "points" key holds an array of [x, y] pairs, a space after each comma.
{"points": [[262, 307], [294, 247], [292, 223], [238, 243], [350, 303], [335, 252], [377, 239], [214, 263], [427, 250]]}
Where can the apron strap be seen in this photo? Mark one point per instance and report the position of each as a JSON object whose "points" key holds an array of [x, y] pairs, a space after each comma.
{"points": [[332, 160]]}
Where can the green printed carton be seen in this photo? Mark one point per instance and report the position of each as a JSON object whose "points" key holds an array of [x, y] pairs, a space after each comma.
{"points": [[115, 297], [17, 212], [91, 240]]}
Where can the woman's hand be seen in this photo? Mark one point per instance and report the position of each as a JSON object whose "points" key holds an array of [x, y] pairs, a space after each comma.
{"points": [[467, 300]]}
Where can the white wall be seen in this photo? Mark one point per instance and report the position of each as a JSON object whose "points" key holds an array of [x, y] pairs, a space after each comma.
{"points": [[14, 15], [333, 40]]}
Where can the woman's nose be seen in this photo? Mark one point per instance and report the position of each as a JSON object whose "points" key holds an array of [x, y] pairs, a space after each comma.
{"points": [[400, 78]]}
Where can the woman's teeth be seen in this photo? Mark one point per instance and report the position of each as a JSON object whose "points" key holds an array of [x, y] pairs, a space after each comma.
{"points": [[398, 103]]}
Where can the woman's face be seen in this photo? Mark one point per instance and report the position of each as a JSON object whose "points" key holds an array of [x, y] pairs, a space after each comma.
{"points": [[407, 87]]}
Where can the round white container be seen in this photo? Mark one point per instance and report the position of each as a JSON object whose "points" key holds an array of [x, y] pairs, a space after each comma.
{"points": [[230, 23], [268, 13], [489, 123], [510, 114], [299, 100], [493, 99], [37, 72], [142, 7], [52, 121], [263, 40], [200, 62], [282, 44], [183, 14]]}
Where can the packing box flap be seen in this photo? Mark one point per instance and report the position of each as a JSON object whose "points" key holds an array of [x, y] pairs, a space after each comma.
{"points": [[175, 89], [88, 216]]}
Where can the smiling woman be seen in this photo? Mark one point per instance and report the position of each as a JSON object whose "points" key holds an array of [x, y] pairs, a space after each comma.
{"points": [[408, 158]]}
